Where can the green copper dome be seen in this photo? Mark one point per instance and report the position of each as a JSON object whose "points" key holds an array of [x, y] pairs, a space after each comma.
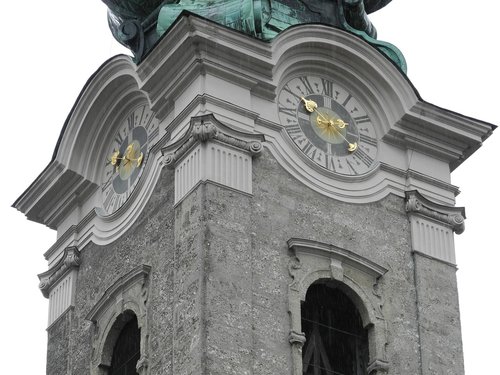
{"points": [[139, 24]]}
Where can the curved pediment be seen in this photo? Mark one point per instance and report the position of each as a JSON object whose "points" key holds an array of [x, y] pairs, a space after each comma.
{"points": [[352, 62]]}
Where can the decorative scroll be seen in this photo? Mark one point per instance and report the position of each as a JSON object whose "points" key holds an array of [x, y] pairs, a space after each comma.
{"points": [[452, 216], [210, 150], [205, 128], [432, 227], [70, 260]]}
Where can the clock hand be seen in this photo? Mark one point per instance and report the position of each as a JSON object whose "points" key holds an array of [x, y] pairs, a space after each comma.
{"points": [[311, 106], [131, 152], [128, 156], [333, 124], [325, 123]]}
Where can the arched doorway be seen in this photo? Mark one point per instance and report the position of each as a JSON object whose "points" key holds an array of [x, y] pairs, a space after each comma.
{"points": [[336, 342], [127, 350]]}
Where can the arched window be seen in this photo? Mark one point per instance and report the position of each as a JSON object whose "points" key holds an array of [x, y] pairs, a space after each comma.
{"points": [[127, 350], [336, 342]]}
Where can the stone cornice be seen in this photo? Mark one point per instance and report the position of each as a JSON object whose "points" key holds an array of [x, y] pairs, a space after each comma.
{"points": [[70, 260], [346, 256], [205, 128], [452, 217]]}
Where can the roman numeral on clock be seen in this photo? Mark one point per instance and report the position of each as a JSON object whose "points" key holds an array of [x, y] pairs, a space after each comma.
{"points": [[362, 119], [307, 85], [131, 121], [327, 87], [364, 157], [288, 90], [367, 139], [293, 129], [309, 149], [287, 111]]}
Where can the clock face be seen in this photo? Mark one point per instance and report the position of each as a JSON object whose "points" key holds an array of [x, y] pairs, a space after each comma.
{"points": [[126, 156], [328, 124]]}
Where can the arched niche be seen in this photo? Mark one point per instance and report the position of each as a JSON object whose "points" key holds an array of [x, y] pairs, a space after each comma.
{"points": [[336, 338], [125, 300], [355, 276]]}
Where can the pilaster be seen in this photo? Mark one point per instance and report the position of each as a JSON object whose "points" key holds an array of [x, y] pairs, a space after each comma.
{"points": [[432, 228], [212, 151], [59, 282]]}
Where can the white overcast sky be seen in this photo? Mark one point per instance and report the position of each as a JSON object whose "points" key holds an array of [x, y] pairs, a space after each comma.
{"points": [[49, 50]]}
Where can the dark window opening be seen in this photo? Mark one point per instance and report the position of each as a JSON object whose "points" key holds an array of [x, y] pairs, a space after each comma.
{"points": [[336, 342], [127, 350]]}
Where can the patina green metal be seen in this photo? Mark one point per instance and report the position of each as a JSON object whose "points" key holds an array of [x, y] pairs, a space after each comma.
{"points": [[139, 24]]}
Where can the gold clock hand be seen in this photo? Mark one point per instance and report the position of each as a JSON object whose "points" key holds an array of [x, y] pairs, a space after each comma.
{"points": [[311, 106], [131, 152], [333, 124]]}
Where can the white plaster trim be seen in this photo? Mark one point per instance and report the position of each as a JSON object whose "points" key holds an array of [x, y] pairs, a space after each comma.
{"points": [[215, 162], [210, 150], [61, 296], [432, 239], [432, 226], [59, 282]]}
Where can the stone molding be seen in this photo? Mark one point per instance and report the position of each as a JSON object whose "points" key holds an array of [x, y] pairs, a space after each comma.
{"points": [[59, 282], [454, 217], [205, 128], [127, 296], [432, 227], [210, 150], [70, 260], [356, 276]]}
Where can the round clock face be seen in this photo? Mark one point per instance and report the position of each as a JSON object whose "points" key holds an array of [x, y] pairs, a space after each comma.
{"points": [[328, 124], [126, 156]]}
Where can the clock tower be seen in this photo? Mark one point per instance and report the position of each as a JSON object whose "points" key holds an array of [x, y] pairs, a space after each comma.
{"points": [[260, 190]]}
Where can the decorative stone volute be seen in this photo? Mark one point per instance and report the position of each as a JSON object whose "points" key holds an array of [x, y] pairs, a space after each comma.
{"points": [[452, 216], [210, 150], [59, 282], [205, 128], [432, 226], [70, 260]]}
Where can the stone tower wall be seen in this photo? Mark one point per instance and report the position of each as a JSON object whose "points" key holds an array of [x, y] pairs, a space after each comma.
{"points": [[218, 287]]}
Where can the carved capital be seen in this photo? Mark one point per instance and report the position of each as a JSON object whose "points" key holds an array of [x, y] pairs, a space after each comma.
{"points": [[70, 260], [204, 131], [453, 217], [205, 128]]}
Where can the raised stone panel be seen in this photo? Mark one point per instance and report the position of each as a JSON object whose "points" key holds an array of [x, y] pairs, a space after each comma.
{"points": [[433, 239], [61, 296], [433, 225], [59, 282], [211, 150], [188, 173], [229, 167], [215, 162]]}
